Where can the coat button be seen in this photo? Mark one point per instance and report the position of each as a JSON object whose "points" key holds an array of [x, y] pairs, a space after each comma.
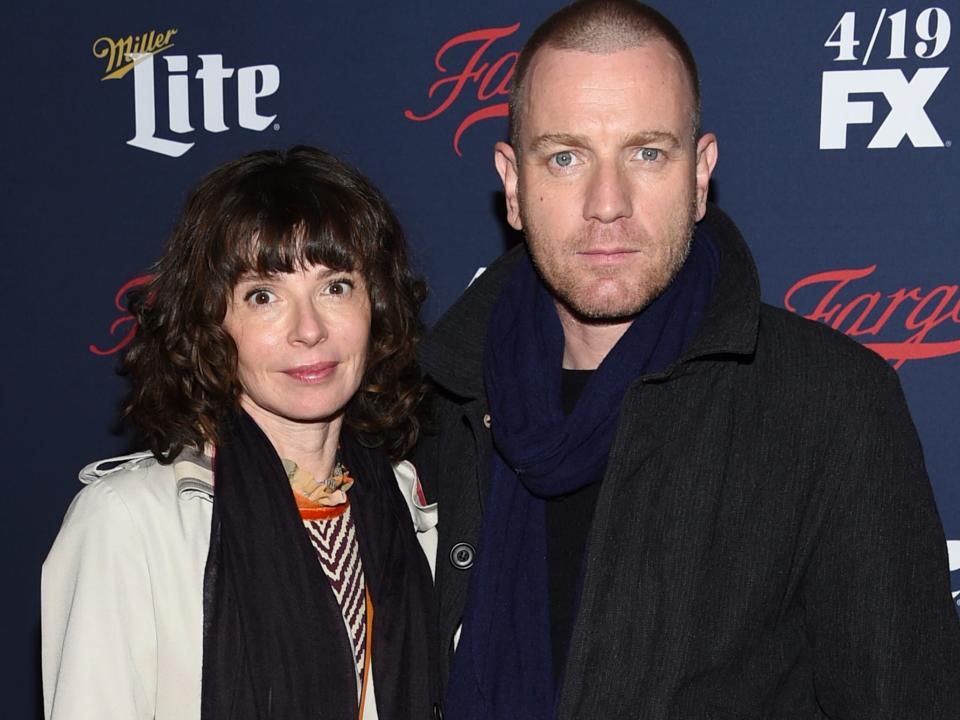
{"points": [[437, 713], [487, 420], [461, 556]]}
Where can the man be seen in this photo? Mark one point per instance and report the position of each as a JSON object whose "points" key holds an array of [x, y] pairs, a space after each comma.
{"points": [[659, 497]]}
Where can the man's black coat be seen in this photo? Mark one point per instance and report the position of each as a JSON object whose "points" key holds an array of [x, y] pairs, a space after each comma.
{"points": [[765, 543]]}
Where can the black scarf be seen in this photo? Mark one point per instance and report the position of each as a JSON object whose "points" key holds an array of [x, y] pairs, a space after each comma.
{"points": [[503, 666], [274, 642]]}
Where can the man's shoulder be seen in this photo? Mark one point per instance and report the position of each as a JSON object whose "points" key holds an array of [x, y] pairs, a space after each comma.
{"points": [[451, 353], [483, 292], [788, 327], [815, 354]]}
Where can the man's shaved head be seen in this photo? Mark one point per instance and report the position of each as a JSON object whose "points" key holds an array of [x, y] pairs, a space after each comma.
{"points": [[601, 27]]}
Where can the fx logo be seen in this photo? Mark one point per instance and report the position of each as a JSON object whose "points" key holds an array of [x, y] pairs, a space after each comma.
{"points": [[907, 98]]}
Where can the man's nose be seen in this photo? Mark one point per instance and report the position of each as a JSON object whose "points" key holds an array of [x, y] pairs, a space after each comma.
{"points": [[608, 195]]}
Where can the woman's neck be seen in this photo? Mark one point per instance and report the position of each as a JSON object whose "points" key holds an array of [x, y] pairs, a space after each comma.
{"points": [[312, 446]]}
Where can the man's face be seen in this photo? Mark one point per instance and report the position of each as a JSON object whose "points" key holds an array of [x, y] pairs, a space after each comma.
{"points": [[609, 180]]}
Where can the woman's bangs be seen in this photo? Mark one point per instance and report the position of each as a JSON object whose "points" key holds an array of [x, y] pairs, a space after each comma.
{"points": [[281, 245]]}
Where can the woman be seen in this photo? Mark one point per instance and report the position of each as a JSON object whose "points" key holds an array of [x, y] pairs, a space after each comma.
{"points": [[260, 561]]}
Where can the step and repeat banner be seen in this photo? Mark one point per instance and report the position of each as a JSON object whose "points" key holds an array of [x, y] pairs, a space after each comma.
{"points": [[836, 122]]}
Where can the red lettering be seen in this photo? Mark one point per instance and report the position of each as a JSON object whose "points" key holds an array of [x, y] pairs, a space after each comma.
{"points": [[841, 277], [903, 351], [503, 87], [471, 71], [492, 79], [872, 299], [896, 299], [934, 318], [501, 110], [833, 310], [125, 321]]}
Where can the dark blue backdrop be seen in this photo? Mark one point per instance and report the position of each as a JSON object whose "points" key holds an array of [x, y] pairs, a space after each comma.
{"points": [[835, 122]]}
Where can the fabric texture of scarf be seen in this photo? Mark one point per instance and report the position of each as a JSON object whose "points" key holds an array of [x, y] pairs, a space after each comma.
{"points": [[274, 640], [503, 665]]}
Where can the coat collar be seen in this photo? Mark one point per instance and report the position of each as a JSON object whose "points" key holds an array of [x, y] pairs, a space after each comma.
{"points": [[194, 473], [452, 352]]}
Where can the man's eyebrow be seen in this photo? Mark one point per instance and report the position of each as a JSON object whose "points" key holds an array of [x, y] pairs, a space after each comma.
{"points": [[580, 141], [654, 137], [549, 139]]}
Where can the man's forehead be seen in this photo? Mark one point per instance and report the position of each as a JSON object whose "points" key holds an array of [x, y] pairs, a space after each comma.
{"points": [[655, 56], [562, 83]]}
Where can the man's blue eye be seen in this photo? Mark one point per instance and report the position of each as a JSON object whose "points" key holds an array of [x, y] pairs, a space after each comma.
{"points": [[649, 154], [563, 159]]}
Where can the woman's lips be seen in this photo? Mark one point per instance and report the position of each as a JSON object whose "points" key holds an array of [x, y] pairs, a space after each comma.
{"points": [[312, 373]]}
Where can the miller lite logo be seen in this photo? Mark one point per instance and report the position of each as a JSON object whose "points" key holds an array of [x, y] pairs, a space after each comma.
{"points": [[160, 75], [860, 96]]}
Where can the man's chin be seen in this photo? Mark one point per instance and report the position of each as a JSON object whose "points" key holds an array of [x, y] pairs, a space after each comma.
{"points": [[595, 310]]}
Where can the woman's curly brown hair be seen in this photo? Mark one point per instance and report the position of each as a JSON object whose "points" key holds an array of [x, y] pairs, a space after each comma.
{"points": [[271, 212]]}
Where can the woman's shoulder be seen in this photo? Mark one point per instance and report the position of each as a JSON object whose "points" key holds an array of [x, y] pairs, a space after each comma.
{"points": [[130, 478], [101, 529], [130, 509], [127, 561], [138, 483], [122, 468]]}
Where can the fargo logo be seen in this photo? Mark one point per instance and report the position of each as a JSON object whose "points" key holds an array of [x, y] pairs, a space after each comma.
{"points": [[140, 54], [925, 324], [846, 94], [489, 73], [124, 326]]}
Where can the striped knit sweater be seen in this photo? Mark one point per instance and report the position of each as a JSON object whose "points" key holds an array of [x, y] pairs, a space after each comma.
{"points": [[335, 540]]}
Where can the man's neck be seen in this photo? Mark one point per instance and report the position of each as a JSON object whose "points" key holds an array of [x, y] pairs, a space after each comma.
{"points": [[586, 343]]}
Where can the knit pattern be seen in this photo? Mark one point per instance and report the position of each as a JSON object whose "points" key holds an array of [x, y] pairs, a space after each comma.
{"points": [[335, 540]]}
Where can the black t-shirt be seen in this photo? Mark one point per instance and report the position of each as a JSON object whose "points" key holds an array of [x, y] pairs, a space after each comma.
{"points": [[568, 521]]}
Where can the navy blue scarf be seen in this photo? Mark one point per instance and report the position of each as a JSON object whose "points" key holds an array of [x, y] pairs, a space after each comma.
{"points": [[503, 665]]}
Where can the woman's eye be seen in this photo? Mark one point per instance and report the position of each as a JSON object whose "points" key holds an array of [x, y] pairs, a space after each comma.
{"points": [[340, 287], [259, 296], [649, 154]]}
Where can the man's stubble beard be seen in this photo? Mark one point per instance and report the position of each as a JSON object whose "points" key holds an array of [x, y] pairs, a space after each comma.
{"points": [[563, 281]]}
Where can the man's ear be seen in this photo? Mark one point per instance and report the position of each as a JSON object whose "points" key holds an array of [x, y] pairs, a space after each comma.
{"points": [[506, 161], [706, 162]]}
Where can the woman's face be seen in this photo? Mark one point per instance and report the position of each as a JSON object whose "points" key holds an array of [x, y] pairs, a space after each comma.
{"points": [[301, 343]]}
